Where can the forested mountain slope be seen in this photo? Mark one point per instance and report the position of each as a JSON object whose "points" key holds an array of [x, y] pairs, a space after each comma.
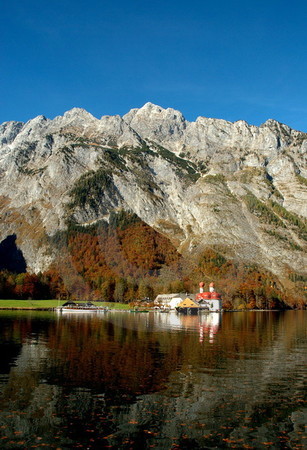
{"points": [[230, 188]]}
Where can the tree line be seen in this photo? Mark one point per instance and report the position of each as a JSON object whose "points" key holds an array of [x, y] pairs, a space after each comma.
{"points": [[127, 260]]}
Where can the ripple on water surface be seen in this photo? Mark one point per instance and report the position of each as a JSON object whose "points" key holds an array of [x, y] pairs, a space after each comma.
{"points": [[124, 380]]}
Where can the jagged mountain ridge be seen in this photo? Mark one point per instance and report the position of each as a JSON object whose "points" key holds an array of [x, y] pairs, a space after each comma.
{"points": [[236, 187]]}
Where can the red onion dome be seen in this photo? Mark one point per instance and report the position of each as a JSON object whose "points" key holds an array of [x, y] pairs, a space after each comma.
{"points": [[201, 284], [211, 284], [203, 296]]}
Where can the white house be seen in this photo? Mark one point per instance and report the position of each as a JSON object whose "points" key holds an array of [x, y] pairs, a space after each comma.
{"points": [[170, 300]]}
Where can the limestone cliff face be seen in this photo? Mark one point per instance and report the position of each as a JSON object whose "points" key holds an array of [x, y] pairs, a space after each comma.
{"points": [[233, 186]]}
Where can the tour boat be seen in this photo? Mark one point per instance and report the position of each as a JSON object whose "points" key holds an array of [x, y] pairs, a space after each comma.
{"points": [[74, 307]]}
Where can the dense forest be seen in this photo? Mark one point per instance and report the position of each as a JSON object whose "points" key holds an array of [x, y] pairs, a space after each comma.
{"points": [[125, 260]]}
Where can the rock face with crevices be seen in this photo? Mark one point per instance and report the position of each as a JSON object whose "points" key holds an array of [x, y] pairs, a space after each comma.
{"points": [[231, 186]]}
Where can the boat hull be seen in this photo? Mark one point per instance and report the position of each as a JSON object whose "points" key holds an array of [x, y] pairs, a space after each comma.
{"points": [[80, 310]]}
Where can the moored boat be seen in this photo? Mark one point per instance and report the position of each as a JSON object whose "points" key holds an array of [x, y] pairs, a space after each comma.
{"points": [[87, 307]]}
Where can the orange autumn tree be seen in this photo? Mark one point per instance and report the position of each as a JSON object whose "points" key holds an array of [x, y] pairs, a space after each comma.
{"points": [[118, 259]]}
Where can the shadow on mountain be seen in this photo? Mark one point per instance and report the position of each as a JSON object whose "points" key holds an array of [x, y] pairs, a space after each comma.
{"points": [[11, 257]]}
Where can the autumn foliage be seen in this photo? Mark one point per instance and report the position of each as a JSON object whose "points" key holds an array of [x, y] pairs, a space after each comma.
{"points": [[126, 260]]}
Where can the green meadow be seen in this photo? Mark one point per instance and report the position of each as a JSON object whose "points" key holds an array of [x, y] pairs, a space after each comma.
{"points": [[45, 304]]}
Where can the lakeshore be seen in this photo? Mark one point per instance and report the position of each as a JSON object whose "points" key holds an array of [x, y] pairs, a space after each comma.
{"points": [[51, 305]]}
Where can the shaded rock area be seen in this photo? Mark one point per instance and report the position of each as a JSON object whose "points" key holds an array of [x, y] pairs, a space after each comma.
{"points": [[11, 257]]}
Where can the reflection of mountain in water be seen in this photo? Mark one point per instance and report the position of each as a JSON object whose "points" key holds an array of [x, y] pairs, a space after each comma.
{"points": [[157, 384]]}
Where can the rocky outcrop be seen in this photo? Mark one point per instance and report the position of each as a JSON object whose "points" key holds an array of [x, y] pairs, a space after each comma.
{"points": [[236, 187]]}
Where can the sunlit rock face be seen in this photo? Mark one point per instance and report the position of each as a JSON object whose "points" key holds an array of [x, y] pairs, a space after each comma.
{"points": [[237, 187]]}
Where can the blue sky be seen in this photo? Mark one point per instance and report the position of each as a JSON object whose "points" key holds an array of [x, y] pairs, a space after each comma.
{"points": [[226, 59]]}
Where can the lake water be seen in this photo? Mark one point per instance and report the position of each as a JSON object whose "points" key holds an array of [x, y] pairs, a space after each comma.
{"points": [[125, 380]]}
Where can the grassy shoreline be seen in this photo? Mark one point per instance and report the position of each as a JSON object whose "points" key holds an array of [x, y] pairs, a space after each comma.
{"points": [[49, 304]]}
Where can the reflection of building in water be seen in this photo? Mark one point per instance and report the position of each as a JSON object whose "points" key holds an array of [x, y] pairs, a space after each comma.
{"points": [[209, 325], [167, 321]]}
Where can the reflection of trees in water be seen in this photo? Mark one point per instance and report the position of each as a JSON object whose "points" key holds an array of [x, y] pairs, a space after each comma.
{"points": [[101, 354], [96, 377], [244, 399]]}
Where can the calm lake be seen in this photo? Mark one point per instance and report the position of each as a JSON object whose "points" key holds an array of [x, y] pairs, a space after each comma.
{"points": [[127, 380]]}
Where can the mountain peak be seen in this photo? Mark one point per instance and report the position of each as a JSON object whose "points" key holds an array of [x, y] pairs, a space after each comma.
{"points": [[151, 107], [276, 126], [78, 113]]}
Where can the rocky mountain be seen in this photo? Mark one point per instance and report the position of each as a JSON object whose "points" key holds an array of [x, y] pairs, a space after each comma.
{"points": [[237, 188]]}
